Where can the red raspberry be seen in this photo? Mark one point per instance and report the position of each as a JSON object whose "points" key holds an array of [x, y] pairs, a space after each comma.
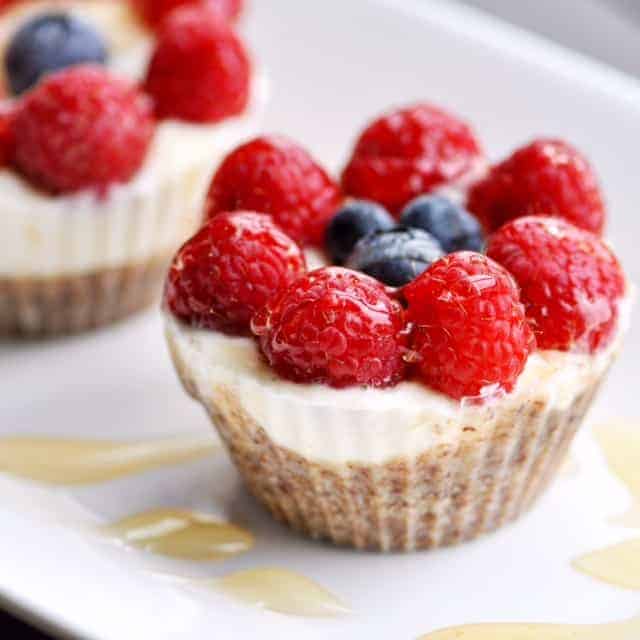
{"points": [[276, 176], [407, 153], [153, 12], [200, 70], [546, 177], [336, 327], [7, 136], [229, 270], [470, 334], [81, 128], [571, 282]]}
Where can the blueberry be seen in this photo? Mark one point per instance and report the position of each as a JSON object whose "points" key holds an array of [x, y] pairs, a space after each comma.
{"points": [[47, 43], [354, 221], [395, 257], [454, 227]]}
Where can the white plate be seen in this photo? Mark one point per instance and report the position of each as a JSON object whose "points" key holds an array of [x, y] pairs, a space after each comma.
{"points": [[333, 64]]}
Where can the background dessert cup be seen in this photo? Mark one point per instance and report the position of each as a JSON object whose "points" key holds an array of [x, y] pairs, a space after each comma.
{"points": [[78, 260], [73, 262]]}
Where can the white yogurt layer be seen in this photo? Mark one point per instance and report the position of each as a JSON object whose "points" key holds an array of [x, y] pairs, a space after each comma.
{"points": [[329, 425]]}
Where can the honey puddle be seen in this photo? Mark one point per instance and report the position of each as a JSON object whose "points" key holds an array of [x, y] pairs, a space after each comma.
{"points": [[618, 565], [182, 534], [75, 462], [620, 443], [282, 591], [629, 630]]}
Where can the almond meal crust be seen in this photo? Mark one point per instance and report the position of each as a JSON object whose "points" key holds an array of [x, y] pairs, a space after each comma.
{"points": [[36, 307], [443, 496]]}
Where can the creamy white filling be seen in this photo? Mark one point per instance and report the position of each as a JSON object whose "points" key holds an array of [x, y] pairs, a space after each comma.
{"points": [[333, 425]]}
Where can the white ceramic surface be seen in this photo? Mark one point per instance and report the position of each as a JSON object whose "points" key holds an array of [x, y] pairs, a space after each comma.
{"points": [[333, 65]]}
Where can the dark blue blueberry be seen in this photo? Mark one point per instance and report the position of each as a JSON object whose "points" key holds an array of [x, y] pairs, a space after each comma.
{"points": [[454, 227], [395, 257], [50, 42], [354, 221]]}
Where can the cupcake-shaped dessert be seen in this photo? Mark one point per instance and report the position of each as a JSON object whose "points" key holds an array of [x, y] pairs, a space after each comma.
{"points": [[424, 388], [98, 191]]}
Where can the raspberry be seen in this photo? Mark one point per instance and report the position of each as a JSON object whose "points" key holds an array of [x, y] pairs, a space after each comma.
{"points": [[276, 176], [200, 70], [571, 282], [470, 335], [81, 128], [229, 270], [334, 326], [7, 136], [407, 153], [546, 177], [153, 12]]}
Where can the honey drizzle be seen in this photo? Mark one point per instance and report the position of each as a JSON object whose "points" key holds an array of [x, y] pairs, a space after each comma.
{"points": [[182, 534], [629, 630], [620, 443], [282, 591], [76, 462], [618, 565]]}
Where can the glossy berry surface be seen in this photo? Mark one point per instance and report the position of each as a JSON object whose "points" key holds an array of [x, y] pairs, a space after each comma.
{"points": [[276, 176], [81, 128], [570, 280], [451, 225], [200, 70], [407, 153], [336, 327], [229, 270], [48, 43], [354, 220], [470, 336], [395, 257], [546, 177], [153, 12]]}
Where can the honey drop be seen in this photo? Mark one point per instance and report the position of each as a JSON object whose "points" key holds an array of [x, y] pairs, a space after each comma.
{"points": [[629, 630], [618, 565], [620, 443], [282, 591], [62, 461], [182, 534]]}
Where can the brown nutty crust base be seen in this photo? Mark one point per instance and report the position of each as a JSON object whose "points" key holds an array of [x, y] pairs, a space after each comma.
{"points": [[446, 495], [43, 307]]}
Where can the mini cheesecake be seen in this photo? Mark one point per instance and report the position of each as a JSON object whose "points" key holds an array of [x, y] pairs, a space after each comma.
{"points": [[421, 397], [77, 260]]}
